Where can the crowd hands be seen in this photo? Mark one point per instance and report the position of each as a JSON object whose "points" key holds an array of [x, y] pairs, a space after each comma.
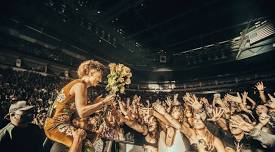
{"points": [[233, 122]]}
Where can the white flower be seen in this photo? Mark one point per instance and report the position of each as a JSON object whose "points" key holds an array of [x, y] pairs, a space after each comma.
{"points": [[117, 79]]}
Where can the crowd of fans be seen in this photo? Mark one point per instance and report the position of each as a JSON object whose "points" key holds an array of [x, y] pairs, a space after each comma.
{"points": [[234, 121], [220, 123], [40, 91], [231, 122]]}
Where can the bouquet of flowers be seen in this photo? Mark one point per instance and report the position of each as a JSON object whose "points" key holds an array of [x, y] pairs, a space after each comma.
{"points": [[120, 75]]}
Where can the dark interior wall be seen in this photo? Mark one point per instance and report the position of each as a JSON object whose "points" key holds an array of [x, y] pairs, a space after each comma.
{"points": [[264, 62]]}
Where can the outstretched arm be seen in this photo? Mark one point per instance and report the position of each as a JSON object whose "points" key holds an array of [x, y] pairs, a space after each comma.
{"points": [[185, 130], [218, 145], [260, 86], [82, 107], [160, 117], [78, 136], [217, 117], [136, 126], [252, 102]]}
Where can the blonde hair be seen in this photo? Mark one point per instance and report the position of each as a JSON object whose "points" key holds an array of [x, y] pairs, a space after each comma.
{"points": [[86, 66]]}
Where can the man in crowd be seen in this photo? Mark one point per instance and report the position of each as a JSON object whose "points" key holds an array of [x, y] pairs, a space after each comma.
{"points": [[20, 134]]}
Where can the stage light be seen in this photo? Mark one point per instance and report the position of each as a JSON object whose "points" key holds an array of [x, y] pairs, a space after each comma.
{"points": [[162, 70], [153, 86]]}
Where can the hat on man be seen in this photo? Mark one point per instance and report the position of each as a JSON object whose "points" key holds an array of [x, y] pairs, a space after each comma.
{"points": [[18, 106]]}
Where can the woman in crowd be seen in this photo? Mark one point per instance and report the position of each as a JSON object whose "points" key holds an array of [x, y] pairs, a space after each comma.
{"points": [[171, 138], [199, 136], [147, 126]]}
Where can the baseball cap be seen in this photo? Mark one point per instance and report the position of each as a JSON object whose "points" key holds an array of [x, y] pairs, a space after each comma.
{"points": [[19, 105]]}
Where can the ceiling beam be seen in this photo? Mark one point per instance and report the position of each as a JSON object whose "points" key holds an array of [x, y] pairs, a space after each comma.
{"points": [[177, 43], [173, 18]]}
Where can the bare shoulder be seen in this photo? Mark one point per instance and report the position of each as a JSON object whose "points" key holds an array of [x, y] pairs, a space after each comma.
{"points": [[78, 87]]}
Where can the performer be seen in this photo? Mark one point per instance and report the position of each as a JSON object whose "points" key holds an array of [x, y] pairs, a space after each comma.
{"points": [[72, 100]]}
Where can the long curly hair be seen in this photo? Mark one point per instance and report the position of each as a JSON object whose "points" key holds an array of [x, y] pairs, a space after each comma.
{"points": [[86, 66]]}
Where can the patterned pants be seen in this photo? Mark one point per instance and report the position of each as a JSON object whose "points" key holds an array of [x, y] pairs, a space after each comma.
{"points": [[62, 132], [59, 131]]}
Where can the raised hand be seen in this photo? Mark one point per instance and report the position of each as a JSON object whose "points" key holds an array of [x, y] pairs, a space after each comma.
{"points": [[217, 114], [241, 102], [204, 101], [128, 103], [136, 99], [186, 97], [122, 108], [148, 103], [264, 119], [79, 134], [244, 95], [147, 113], [193, 102], [272, 103], [176, 98], [238, 122], [236, 99], [109, 99], [272, 99], [102, 128], [260, 86], [247, 98], [169, 103], [120, 118], [159, 108], [217, 100], [111, 117]]}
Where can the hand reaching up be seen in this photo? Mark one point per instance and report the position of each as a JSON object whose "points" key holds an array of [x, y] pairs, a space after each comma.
{"points": [[193, 102], [238, 122], [79, 134], [204, 101], [244, 95], [271, 104], [260, 86], [264, 119], [109, 99], [217, 114], [159, 108], [169, 103], [236, 99]]}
